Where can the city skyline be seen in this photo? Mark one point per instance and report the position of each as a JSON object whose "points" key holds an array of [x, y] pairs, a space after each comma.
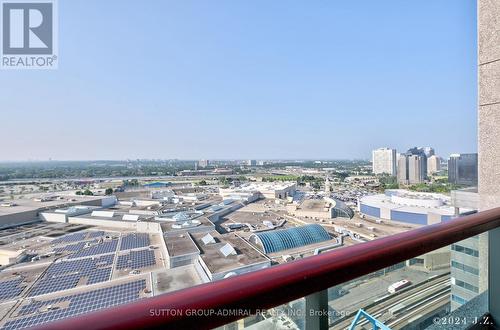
{"points": [[368, 158], [295, 81]]}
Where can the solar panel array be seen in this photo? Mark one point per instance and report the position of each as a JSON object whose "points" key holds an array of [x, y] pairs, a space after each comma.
{"points": [[94, 265], [78, 304], [67, 274], [87, 237], [134, 241], [75, 237], [78, 237], [95, 234], [104, 247], [55, 283], [71, 247], [136, 259], [11, 288]]}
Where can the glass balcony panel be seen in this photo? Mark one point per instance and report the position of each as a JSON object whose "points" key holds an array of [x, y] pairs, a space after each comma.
{"points": [[439, 287], [443, 289]]}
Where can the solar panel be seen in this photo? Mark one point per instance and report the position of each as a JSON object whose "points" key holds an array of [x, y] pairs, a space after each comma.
{"points": [[73, 247], [99, 275], [74, 237], [54, 283], [89, 238], [37, 312], [134, 241], [11, 288], [67, 274], [95, 234], [104, 247], [136, 260]]}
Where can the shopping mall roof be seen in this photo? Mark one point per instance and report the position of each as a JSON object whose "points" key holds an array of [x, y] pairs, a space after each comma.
{"points": [[284, 239]]}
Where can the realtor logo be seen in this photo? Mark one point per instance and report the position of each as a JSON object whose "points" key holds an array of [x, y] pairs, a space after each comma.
{"points": [[29, 34]]}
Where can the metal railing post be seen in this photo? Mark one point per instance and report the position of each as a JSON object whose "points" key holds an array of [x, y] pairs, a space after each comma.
{"points": [[316, 313]]}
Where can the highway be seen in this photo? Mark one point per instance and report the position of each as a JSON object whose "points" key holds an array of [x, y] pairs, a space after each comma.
{"points": [[397, 310]]}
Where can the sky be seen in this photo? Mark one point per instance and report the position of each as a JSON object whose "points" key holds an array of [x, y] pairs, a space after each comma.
{"points": [[247, 80]]}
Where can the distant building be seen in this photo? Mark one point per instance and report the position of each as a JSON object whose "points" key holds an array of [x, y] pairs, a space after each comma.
{"points": [[222, 171], [271, 190], [428, 151], [261, 163], [217, 171], [412, 166], [462, 169], [156, 184], [326, 208], [204, 163], [402, 169], [417, 169], [384, 161], [433, 164], [328, 185], [410, 207], [251, 162]]}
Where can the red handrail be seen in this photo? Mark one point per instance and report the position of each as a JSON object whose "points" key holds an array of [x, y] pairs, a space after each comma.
{"points": [[221, 302]]}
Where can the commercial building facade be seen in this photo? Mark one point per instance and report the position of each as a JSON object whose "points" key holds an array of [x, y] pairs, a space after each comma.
{"points": [[463, 169], [464, 263], [408, 207], [203, 163], [412, 166], [416, 169], [433, 165], [402, 169], [384, 161]]}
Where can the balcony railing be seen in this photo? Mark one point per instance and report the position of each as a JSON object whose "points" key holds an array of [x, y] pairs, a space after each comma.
{"points": [[214, 304]]}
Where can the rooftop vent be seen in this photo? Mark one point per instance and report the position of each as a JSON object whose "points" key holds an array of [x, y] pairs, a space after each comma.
{"points": [[227, 250], [104, 214], [208, 239], [130, 217]]}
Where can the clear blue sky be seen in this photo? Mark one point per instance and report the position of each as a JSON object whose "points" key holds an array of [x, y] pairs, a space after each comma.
{"points": [[247, 79]]}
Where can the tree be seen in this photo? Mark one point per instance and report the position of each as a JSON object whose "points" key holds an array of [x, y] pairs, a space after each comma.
{"points": [[388, 182], [109, 191], [225, 181], [87, 192], [133, 182]]}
